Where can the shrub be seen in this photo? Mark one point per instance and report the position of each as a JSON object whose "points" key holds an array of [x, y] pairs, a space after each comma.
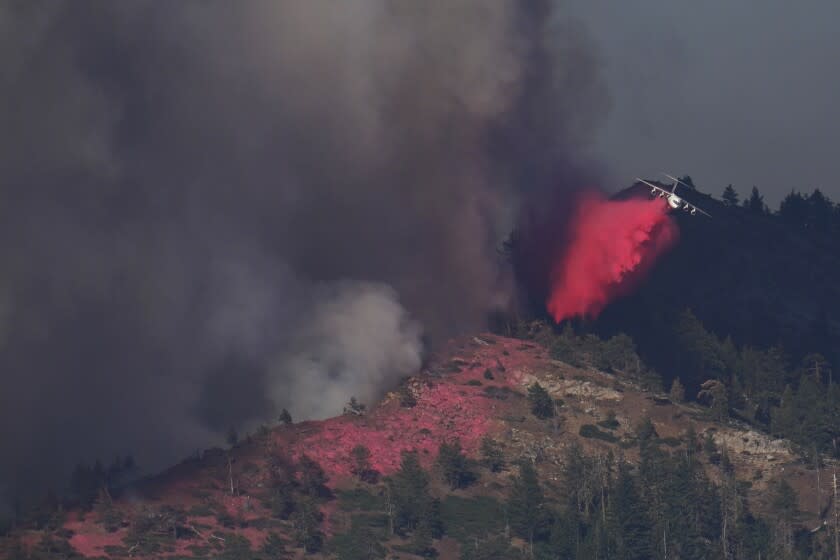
{"points": [[491, 454], [407, 398], [610, 422], [498, 393], [466, 518], [360, 499], [592, 431]]}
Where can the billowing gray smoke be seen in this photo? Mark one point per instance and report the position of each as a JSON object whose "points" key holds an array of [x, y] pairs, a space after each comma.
{"points": [[211, 210]]}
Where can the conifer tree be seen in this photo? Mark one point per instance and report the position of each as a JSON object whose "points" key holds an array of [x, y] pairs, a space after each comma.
{"points": [[285, 417], [361, 466], [730, 196], [755, 203], [492, 548], [541, 404], [677, 392], [784, 418], [454, 465], [307, 524], [313, 480], [409, 494], [631, 525], [785, 509], [526, 504]]}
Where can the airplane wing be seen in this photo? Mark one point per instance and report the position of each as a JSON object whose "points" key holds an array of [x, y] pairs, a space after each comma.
{"points": [[694, 209], [654, 187], [676, 181]]}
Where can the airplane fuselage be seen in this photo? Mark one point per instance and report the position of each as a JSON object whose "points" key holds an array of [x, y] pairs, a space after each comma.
{"points": [[674, 201]]}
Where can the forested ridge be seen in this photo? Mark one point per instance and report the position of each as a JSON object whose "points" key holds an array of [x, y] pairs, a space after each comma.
{"points": [[586, 457]]}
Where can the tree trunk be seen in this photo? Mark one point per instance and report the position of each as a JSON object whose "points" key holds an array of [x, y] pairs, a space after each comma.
{"points": [[230, 475], [836, 521]]}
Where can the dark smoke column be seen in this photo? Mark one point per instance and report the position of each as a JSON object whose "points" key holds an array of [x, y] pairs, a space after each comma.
{"points": [[213, 210]]}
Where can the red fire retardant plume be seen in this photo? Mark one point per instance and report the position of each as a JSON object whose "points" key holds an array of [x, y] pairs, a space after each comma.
{"points": [[612, 244]]}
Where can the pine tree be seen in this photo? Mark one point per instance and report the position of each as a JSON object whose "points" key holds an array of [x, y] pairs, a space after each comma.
{"points": [[575, 467], [526, 504], [784, 418], [275, 547], [677, 392], [409, 494], [541, 404], [313, 480], [691, 443], [454, 465], [361, 466], [699, 354], [232, 437], [794, 209], [354, 407], [619, 354], [688, 182], [730, 196], [285, 417], [631, 527], [565, 534], [755, 203], [785, 509], [492, 548], [709, 445], [307, 524], [820, 212]]}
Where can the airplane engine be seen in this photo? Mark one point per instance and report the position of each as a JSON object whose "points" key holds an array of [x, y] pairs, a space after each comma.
{"points": [[674, 202], [652, 192]]}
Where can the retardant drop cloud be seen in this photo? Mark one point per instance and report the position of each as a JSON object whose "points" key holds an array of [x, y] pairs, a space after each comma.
{"points": [[214, 210], [611, 245]]}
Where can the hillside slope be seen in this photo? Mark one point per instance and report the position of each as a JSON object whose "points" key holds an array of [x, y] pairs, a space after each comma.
{"points": [[226, 502]]}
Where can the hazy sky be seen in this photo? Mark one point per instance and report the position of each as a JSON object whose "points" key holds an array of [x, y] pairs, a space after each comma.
{"points": [[727, 92]]}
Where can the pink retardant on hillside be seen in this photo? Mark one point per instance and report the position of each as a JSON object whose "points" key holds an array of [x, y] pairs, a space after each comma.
{"points": [[90, 539], [446, 410], [612, 245], [441, 414]]}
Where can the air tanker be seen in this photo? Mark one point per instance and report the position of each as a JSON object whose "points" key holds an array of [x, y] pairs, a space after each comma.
{"points": [[674, 201]]}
